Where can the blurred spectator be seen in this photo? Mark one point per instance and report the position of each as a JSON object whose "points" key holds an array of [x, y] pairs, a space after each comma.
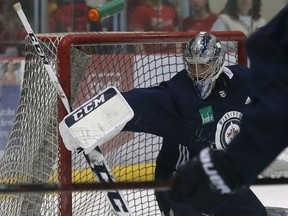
{"points": [[154, 15], [131, 7], [9, 26], [52, 6], [10, 30], [240, 15], [70, 17], [10, 75], [3, 32], [201, 19]]}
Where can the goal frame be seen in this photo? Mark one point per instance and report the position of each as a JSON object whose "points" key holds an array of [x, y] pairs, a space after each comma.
{"points": [[64, 65]]}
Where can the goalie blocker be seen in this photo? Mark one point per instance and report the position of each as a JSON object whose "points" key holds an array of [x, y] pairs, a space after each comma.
{"points": [[96, 121], [207, 184]]}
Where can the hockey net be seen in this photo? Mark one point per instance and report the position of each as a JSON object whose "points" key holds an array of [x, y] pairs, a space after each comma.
{"points": [[87, 63]]}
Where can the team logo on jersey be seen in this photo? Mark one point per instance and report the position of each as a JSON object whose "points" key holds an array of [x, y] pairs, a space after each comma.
{"points": [[227, 128], [206, 115], [222, 94]]}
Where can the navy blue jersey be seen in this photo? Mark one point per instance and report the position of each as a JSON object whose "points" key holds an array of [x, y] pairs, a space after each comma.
{"points": [[187, 124], [264, 132]]}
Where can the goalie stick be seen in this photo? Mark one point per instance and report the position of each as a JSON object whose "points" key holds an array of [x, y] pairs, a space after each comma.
{"points": [[158, 185], [95, 158]]}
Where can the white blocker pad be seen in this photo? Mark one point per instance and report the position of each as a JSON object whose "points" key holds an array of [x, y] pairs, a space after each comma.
{"points": [[96, 121]]}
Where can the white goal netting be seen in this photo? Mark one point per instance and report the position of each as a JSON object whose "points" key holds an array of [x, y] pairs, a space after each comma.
{"points": [[85, 64]]}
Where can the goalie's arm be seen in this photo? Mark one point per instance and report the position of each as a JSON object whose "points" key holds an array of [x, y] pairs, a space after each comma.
{"points": [[153, 112], [153, 109], [264, 126]]}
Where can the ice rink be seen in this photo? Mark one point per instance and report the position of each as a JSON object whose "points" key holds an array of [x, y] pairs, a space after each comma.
{"points": [[275, 195], [270, 195]]}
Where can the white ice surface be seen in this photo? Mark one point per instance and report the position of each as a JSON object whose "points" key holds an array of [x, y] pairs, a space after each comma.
{"points": [[272, 195]]}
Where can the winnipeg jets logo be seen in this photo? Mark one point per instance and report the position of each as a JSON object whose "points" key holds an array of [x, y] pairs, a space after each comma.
{"points": [[232, 131], [227, 128], [222, 94]]}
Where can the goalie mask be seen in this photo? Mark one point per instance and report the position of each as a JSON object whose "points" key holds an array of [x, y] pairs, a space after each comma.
{"points": [[204, 60]]}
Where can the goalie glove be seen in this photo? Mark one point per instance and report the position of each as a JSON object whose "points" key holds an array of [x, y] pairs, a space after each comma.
{"points": [[96, 121], [207, 182]]}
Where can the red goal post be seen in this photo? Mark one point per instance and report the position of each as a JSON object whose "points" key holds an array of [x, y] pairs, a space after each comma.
{"points": [[87, 63]]}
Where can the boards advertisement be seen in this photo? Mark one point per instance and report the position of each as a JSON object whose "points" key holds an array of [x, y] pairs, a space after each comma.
{"points": [[11, 73]]}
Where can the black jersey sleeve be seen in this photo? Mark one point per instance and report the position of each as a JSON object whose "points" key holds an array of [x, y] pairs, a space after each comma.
{"points": [[162, 110], [264, 128], [154, 111]]}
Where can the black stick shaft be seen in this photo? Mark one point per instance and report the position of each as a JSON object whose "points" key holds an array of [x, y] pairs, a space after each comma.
{"points": [[26, 188]]}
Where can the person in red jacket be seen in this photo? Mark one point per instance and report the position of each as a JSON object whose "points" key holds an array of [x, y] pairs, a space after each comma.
{"points": [[70, 17], [201, 19], [154, 15]]}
